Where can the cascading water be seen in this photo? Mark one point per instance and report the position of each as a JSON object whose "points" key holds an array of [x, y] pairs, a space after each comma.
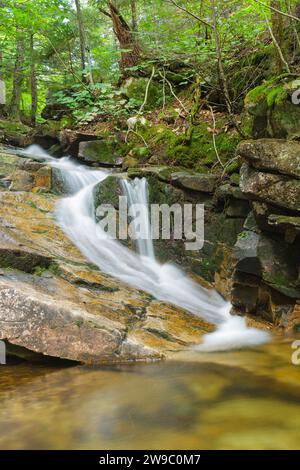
{"points": [[76, 216], [137, 194]]}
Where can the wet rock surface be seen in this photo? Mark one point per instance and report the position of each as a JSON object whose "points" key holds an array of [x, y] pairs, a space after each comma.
{"points": [[52, 301]]}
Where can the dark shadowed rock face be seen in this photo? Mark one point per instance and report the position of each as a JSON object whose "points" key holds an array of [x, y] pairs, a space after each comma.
{"points": [[267, 254], [273, 155]]}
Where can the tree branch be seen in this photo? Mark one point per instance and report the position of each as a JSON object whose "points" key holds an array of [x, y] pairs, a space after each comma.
{"points": [[269, 7], [191, 14], [104, 12]]}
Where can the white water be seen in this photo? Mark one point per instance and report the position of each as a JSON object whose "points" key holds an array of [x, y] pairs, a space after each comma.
{"points": [[137, 194], [76, 216]]}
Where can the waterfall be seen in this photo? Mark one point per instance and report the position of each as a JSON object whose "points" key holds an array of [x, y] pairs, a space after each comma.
{"points": [[137, 194], [75, 214]]}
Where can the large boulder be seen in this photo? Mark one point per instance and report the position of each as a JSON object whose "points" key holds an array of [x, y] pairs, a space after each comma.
{"points": [[70, 139], [272, 155], [15, 133], [270, 111], [103, 152], [279, 190]]}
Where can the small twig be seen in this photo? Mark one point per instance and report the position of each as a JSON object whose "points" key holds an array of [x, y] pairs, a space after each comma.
{"points": [[137, 134], [147, 91], [214, 137], [228, 163], [173, 93], [164, 90], [191, 14]]}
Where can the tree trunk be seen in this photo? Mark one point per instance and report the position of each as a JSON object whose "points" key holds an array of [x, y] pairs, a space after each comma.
{"points": [[278, 31], [18, 77], [82, 40], [130, 49], [134, 20], [2, 88], [222, 76], [33, 83]]}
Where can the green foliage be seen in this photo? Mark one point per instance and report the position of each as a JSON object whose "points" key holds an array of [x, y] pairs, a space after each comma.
{"points": [[95, 101], [170, 39]]}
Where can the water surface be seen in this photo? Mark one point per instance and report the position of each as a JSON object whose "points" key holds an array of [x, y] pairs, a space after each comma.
{"points": [[234, 400]]}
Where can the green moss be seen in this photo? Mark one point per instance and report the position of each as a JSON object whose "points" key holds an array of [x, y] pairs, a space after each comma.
{"points": [[269, 110], [135, 90], [235, 179], [276, 95], [256, 95], [200, 152], [11, 126]]}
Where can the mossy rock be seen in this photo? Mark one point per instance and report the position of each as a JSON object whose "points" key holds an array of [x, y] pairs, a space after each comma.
{"points": [[108, 191], [269, 110], [104, 152], [135, 90], [15, 133], [200, 152]]}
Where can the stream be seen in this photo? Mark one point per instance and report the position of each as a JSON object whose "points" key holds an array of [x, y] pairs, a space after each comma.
{"points": [[75, 214], [245, 398], [234, 400]]}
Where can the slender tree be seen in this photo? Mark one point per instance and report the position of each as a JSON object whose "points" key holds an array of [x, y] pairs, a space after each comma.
{"points": [[82, 39], [2, 86], [134, 19], [33, 82], [18, 75], [278, 32], [219, 53]]}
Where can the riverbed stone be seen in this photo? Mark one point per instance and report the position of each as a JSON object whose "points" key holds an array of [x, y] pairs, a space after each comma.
{"points": [[21, 181]]}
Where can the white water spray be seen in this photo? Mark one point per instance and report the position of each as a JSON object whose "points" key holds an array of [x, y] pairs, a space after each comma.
{"points": [[76, 216]]}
